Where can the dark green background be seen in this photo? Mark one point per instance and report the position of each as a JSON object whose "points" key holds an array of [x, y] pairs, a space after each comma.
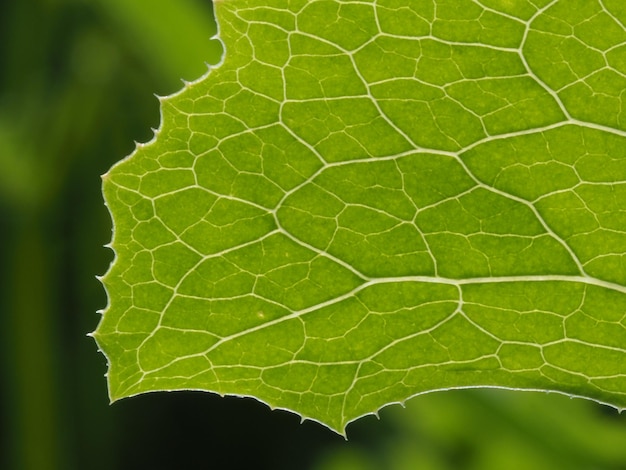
{"points": [[77, 85]]}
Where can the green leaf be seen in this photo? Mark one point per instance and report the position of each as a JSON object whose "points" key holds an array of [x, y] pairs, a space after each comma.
{"points": [[371, 200]]}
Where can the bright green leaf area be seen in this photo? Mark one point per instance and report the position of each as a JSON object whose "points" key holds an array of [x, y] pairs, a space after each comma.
{"points": [[371, 200]]}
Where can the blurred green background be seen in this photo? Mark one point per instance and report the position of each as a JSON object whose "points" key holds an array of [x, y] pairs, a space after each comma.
{"points": [[77, 85]]}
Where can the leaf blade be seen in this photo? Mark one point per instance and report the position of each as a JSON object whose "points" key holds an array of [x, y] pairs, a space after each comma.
{"points": [[330, 240]]}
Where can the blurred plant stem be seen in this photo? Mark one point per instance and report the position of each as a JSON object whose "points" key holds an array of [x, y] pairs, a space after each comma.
{"points": [[37, 438], [32, 394]]}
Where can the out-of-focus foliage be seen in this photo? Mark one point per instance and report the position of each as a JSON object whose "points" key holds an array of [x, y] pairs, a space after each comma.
{"points": [[490, 430]]}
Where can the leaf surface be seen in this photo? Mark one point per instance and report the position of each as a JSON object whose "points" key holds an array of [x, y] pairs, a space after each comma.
{"points": [[369, 200]]}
